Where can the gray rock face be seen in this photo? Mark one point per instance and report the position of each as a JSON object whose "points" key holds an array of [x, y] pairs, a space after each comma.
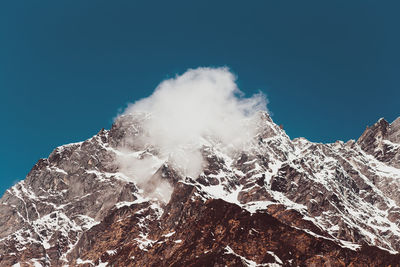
{"points": [[61, 197], [382, 141], [394, 131], [346, 192]]}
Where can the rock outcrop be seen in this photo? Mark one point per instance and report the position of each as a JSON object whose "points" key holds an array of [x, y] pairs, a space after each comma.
{"points": [[275, 202]]}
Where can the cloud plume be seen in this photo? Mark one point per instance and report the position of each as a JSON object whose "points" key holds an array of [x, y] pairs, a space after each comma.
{"points": [[201, 104]]}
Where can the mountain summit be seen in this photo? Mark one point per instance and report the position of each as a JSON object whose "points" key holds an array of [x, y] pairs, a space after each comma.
{"points": [[122, 199]]}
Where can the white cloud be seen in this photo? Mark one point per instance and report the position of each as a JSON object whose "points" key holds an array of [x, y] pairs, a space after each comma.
{"points": [[141, 170], [201, 103]]}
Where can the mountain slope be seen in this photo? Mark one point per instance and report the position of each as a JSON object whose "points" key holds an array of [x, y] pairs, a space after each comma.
{"points": [[275, 201]]}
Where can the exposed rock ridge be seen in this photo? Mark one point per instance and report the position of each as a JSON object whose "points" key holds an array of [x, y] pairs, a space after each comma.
{"points": [[276, 202], [382, 140]]}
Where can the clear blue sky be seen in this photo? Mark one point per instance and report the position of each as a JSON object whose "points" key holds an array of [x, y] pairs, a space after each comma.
{"points": [[329, 68]]}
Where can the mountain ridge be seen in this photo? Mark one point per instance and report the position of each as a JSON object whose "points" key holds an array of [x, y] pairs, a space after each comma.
{"points": [[340, 195]]}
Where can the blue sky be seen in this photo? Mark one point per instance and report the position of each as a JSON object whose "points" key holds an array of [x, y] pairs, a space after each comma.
{"points": [[67, 67]]}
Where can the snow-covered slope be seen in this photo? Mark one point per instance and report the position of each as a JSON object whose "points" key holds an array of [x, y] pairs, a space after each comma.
{"points": [[346, 194]]}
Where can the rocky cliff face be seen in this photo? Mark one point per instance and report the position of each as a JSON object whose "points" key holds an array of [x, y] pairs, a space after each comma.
{"points": [[274, 202]]}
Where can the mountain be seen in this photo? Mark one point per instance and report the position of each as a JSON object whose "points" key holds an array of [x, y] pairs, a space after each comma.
{"points": [[273, 202]]}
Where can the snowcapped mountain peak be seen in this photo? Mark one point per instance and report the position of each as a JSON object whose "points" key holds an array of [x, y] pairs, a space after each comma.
{"points": [[129, 196], [381, 141], [394, 132]]}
